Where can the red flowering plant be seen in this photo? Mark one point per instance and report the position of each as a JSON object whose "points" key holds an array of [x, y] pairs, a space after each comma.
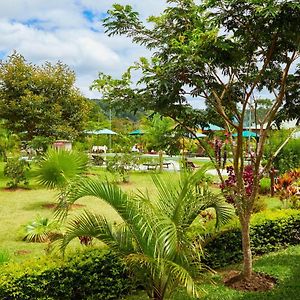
{"points": [[228, 187], [288, 189]]}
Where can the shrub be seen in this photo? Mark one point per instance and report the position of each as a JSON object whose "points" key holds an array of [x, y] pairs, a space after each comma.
{"points": [[16, 169], [121, 165], [93, 274], [265, 185], [259, 205], [269, 231], [289, 156]]}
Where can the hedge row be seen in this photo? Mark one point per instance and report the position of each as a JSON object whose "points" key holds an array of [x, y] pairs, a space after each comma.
{"points": [[90, 275], [267, 235]]}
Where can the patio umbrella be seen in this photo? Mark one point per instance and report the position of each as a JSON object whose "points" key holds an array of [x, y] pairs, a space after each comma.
{"points": [[136, 132], [213, 127], [247, 134], [100, 131], [104, 131]]}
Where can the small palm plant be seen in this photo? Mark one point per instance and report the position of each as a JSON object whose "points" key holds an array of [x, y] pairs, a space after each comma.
{"points": [[41, 230], [59, 167], [153, 237]]}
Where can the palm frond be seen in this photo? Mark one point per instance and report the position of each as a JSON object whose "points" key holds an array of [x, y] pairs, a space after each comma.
{"points": [[179, 274], [58, 168], [166, 194], [91, 225], [224, 211]]}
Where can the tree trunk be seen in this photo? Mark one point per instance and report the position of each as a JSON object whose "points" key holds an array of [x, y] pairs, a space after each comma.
{"points": [[161, 158], [247, 254]]}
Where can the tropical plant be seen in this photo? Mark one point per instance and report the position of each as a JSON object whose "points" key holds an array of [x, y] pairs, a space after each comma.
{"points": [[120, 165], [8, 143], [153, 237], [59, 167], [16, 169], [255, 47], [265, 185], [40, 230], [287, 186]]}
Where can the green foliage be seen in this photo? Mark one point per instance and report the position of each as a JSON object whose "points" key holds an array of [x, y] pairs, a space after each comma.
{"points": [[265, 185], [269, 231], [40, 144], [59, 167], [289, 157], [4, 256], [259, 205], [16, 169], [40, 230], [121, 164], [159, 133], [40, 100], [93, 274], [8, 143], [152, 238]]}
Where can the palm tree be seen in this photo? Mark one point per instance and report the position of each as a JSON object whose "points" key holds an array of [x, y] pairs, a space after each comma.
{"points": [[153, 237]]}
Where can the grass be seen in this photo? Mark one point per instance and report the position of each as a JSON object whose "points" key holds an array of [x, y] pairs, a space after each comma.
{"points": [[21, 206], [18, 207], [283, 265]]}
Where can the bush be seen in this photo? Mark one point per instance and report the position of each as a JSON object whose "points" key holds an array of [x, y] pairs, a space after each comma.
{"points": [[269, 231], [120, 165], [265, 186], [16, 169], [93, 274], [289, 156]]}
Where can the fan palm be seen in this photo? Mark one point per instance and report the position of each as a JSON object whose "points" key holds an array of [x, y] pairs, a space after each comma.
{"points": [[40, 230], [59, 167], [153, 237]]}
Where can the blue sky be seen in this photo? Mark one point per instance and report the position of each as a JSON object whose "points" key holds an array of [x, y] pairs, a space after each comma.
{"points": [[70, 31]]}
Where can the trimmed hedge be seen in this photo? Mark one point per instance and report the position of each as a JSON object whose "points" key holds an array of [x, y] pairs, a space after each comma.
{"points": [[268, 233], [94, 274]]}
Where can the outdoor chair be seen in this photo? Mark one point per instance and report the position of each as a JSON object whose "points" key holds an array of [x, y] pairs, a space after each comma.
{"points": [[98, 160], [189, 165]]}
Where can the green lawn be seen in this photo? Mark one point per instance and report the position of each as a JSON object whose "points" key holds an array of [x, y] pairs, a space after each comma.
{"points": [[21, 206], [18, 207]]}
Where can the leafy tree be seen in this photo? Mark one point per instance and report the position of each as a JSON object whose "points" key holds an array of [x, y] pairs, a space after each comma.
{"points": [[8, 143], [158, 132], [153, 237], [40, 100], [17, 170], [225, 52]]}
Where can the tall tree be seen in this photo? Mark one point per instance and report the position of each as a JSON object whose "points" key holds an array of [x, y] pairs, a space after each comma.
{"points": [[40, 100], [225, 52]]}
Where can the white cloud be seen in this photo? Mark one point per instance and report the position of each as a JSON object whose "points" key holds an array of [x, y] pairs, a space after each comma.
{"points": [[43, 30]]}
